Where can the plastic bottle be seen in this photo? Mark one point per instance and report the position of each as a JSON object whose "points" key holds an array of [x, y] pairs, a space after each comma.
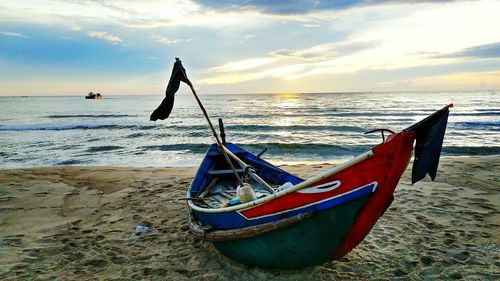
{"points": [[286, 185], [144, 229]]}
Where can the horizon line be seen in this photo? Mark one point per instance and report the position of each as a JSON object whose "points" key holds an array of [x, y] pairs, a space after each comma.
{"points": [[269, 93]]}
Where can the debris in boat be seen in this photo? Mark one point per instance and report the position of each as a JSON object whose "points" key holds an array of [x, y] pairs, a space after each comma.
{"points": [[245, 193], [284, 186]]}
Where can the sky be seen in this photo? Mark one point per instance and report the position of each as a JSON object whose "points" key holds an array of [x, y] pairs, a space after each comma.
{"points": [[117, 47]]}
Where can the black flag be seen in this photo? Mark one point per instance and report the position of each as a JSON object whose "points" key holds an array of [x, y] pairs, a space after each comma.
{"points": [[178, 75], [430, 135]]}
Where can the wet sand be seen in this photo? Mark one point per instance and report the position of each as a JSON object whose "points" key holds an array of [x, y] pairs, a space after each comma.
{"points": [[78, 223]]}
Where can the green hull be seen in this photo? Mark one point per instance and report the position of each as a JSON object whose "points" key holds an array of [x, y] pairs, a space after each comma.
{"points": [[308, 242]]}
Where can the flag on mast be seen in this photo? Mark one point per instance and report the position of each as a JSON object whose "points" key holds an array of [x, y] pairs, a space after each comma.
{"points": [[428, 144], [178, 75]]}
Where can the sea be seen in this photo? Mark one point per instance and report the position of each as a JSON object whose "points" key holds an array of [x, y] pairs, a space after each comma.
{"points": [[39, 131]]}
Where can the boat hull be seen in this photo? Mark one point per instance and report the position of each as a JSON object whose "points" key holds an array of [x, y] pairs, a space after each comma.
{"points": [[315, 220], [307, 242], [343, 213]]}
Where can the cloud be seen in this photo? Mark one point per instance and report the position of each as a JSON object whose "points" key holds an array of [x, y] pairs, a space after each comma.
{"points": [[462, 80], [381, 38], [165, 40], [75, 28], [291, 7], [243, 42], [13, 34], [103, 35], [276, 72], [243, 65], [482, 51], [131, 14], [281, 7], [311, 25], [388, 45], [76, 12], [325, 51]]}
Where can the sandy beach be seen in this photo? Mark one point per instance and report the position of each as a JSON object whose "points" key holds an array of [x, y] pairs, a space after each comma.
{"points": [[78, 223]]}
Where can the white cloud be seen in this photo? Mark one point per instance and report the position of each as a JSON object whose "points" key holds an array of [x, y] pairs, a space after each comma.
{"points": [[103, 35], [243, 65], [136, 14], [311, 25], [288, 49], [488, 80], [165, 40], [385, 37], [13, 34]]}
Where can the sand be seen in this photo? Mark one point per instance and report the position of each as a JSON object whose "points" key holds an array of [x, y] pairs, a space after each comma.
{"points": [[78, 223]]}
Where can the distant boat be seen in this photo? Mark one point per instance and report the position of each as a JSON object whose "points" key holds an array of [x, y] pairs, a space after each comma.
{"points": [[289, 222], [92, 96]]}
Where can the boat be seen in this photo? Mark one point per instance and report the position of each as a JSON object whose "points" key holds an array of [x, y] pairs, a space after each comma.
{"points": [[290, 222], [260, 215], [93, 96]]}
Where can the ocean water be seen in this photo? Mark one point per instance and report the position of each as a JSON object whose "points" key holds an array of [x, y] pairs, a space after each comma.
{"points": [[296, 128]]}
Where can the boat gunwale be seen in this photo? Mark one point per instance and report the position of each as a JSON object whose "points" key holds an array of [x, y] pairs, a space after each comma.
{"points": [[301, 185], [240, 233]]}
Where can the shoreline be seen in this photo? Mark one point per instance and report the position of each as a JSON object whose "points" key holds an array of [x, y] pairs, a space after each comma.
{"points": [[78, 222], [279, 163]]}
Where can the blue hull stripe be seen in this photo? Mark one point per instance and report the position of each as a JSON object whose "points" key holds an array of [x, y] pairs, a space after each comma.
{"points": [[236, 220]]}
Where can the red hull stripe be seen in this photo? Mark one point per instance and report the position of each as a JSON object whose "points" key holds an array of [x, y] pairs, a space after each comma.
{"points": [[333, 199]]}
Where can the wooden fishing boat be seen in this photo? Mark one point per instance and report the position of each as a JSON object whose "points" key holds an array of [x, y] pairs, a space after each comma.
{"points": [[293, 222], [258, 214]]}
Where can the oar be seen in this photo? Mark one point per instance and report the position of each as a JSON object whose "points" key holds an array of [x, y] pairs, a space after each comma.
{"points": [[250, 172]]}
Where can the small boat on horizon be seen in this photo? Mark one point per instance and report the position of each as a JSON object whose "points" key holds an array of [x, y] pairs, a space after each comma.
{"points": [[93, 96]]}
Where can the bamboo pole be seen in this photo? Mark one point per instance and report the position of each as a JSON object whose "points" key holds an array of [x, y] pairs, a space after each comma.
{"points": [[304, 184], [217, 140], [251, 173]]}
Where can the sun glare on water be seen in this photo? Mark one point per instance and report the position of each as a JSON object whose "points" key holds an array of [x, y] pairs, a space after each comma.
{"points": [[290, 101]]}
